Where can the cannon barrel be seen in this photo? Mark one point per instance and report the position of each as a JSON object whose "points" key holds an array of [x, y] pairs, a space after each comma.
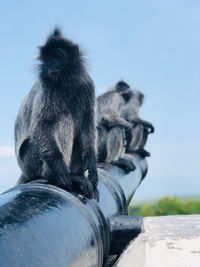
{"points": [[43, 225]]}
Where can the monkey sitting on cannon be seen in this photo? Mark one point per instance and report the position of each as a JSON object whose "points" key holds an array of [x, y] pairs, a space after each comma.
{"points": [[111, 138], [55, 127], [140, 128]]}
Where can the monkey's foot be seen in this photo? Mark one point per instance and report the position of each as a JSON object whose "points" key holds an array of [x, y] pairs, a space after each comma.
{"points": [[93, 177], [142, 152], [60, 173], [83, 185], [125, 164]]}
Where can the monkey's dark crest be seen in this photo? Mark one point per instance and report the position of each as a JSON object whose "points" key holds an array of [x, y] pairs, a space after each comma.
{"points": [[55, 127], [122, 86]]}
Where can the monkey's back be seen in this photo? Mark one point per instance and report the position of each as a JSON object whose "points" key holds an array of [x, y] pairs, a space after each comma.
{"points": [[65, 111], [23, 120], [109, 104]]}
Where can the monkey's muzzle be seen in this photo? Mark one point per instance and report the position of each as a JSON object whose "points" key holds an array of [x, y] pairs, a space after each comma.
{"points": [[53, 71]]}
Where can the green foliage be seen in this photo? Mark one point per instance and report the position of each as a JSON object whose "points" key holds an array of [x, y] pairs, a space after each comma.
{"points": [[166, 206]]}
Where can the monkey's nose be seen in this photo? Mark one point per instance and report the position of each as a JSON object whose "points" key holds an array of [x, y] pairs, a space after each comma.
{"points": [[51, 71]]}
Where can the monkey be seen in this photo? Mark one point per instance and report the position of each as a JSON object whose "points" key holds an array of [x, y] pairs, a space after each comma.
{"points": [[141, 128], [55, 127], [111, 139]]}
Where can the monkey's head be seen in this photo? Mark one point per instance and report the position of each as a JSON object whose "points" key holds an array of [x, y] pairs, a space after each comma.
{"points": [[137, 95], [59, 57], [124, 90]]}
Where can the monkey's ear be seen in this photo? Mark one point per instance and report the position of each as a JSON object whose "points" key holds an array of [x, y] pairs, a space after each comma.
{"points": [[141, 99]]}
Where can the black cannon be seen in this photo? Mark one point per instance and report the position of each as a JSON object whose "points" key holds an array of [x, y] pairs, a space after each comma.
{"points": [[42, 225]]}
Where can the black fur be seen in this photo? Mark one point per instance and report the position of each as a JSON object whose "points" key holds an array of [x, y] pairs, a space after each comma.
{"points": [[55, 128], [122, 86]]}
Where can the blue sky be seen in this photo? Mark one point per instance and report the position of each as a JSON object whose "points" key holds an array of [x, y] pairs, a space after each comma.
{"points": [[154, 45]]}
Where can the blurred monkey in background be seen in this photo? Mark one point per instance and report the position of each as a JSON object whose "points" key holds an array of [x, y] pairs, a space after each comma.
{"points": [[111, 137], [140, 128]]}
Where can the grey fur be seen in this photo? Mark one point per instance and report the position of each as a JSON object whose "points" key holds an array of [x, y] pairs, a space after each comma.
{"points": [[140, 128], [55, 126], [108, 106], [111, 128], [130, 110]]}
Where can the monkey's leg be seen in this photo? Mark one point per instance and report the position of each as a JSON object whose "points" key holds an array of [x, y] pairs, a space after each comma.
{"points": [[87, 141], [116, 122], [128, 137], [40, 157], [137, 137], [52, 168], [125, 164], [59, 172], [58, 152], [80, 183], [115, 144], [115, 149], [102, 134], [142, 152], [145, 136], [90, 165]]}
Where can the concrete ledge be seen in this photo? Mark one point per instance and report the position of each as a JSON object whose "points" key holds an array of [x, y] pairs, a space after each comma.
{"points": [[167, 241]]}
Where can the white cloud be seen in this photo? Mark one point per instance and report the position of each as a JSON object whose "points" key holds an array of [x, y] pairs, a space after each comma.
{"points": [[7, 151]]}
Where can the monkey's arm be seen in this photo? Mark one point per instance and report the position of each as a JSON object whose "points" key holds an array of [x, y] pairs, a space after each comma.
{"points": [[115, 121], [147, 125]]}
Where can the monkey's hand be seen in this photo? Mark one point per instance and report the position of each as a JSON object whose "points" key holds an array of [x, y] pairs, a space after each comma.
{"points": [[60, 173], [90, 165], [151, 129], [147, 125], [82, 185]]}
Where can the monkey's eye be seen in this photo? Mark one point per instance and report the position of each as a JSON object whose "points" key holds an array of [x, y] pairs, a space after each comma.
{"points": [[60, 53]]}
